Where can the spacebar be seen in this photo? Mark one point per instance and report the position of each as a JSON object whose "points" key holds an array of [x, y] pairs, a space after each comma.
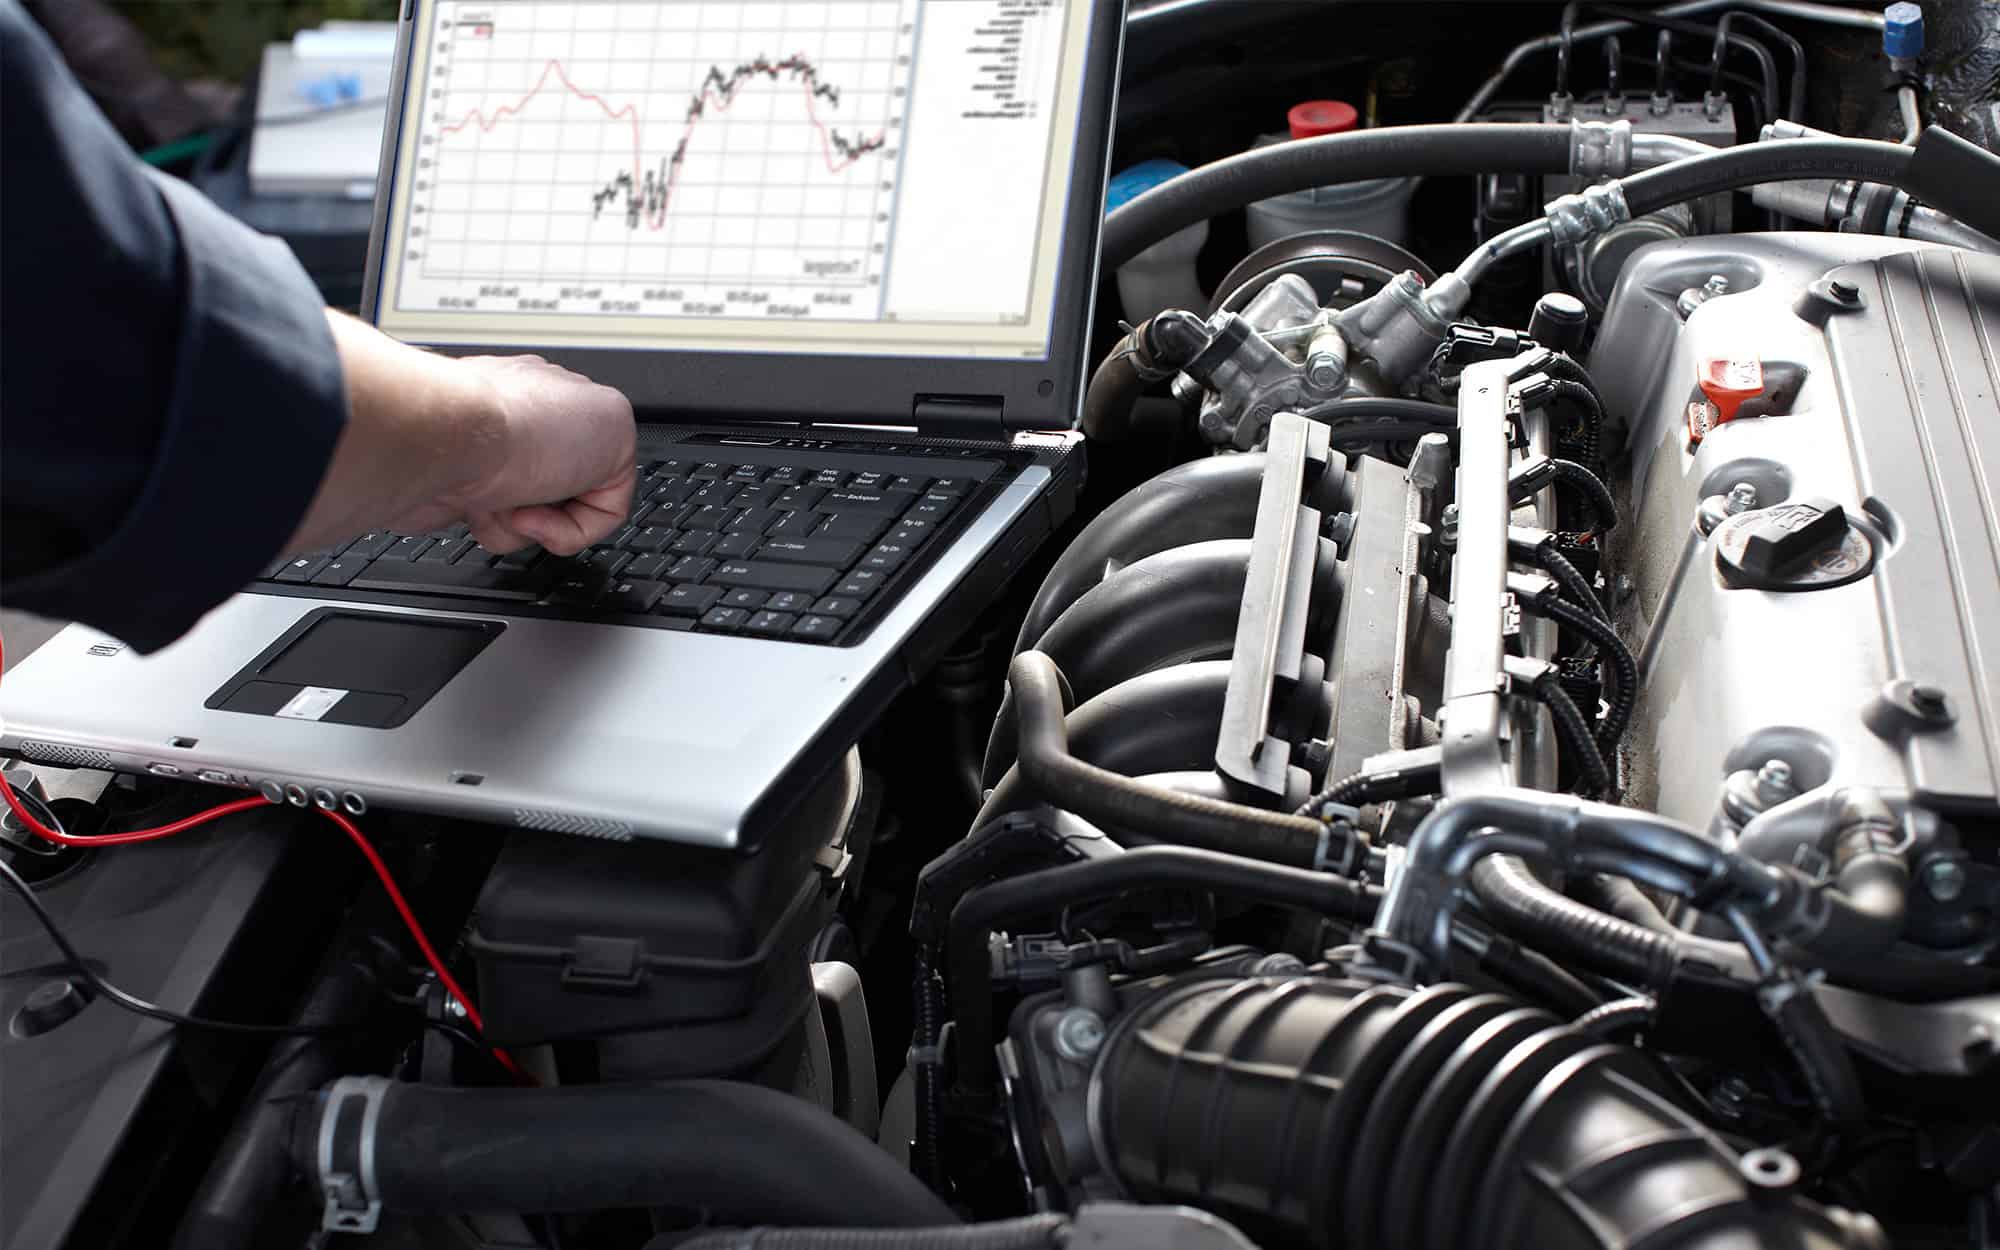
{"points": [[471, 580]]}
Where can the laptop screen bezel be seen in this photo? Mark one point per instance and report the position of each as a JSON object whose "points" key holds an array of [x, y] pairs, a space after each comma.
{"points": [[679, 385]]}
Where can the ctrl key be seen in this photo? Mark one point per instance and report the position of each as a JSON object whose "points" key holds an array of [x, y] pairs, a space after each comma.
{"points": [[816, 628]]}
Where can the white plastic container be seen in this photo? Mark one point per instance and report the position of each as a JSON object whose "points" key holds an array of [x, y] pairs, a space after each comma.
{"points": [[1163, 275], [1379, 206]]}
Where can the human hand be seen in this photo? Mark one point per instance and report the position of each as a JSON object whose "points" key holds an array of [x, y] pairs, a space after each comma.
{"points": [[564, 474]]}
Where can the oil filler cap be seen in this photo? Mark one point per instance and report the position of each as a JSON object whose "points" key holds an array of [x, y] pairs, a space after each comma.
{"points": [[1807, 544]]}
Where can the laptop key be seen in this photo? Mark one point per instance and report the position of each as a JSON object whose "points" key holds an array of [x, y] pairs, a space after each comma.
{"points": [[769, 624], [828, 478], [765, 575], [581, 587], [406, 547], [834, 553], [370, 545], [735, 546], [864, 527], [710, 471], [801, 498], [608, 560], [651, 539], [725, 620], [885, 557], [692, 543], [869, 480], [907, 535], [716, 494], [889, 503], [688, 601], [789, 601], [747, 473], [635, 596], [708, 517], [950, 486], [915, 485], [648, 568], [751, 520], [785, 475], [303, 569], [793, 524], [816, 628], [837, 606], [860, 583], [446, 551], [690, 569], [469, 577], [752, 599], [339, 571]]}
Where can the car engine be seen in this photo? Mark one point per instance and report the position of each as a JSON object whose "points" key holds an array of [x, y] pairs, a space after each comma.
{"points": [[1508, 754]]}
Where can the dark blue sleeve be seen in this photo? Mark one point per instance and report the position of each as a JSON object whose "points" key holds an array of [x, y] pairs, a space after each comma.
{"points": [[169, 391]]}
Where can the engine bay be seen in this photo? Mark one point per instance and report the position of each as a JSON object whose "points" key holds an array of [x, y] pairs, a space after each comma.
{"points": [[1507, 753]]}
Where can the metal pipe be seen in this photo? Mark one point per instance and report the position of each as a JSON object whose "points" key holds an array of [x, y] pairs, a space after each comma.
{"points": [[1913, 118], [1804, 10]]}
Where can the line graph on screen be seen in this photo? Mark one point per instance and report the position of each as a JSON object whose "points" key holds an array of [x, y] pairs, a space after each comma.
{"points": [[660, 150]]}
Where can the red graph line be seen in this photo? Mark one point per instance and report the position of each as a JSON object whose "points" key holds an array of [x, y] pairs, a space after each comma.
{"points": [[708, 96]]}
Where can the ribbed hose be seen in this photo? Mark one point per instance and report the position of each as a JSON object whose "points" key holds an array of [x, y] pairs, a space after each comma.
{"points": [[1616, 656], [1521, 905], [1328, 160], [1575, 586], [1574, 731], [1030, 1232], [927, 1017], [1372, 1115], [1591, 488]]}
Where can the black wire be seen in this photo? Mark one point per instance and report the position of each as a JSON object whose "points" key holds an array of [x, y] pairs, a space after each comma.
{"points": [[133, 1003], [1574, 730], [1572, 581]]}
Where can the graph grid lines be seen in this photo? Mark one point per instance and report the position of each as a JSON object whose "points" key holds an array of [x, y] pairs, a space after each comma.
{"points": [[679, 150]]}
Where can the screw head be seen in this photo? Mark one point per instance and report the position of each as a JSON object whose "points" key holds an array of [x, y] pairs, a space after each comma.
{"points": [[1079, 1033], [1928, 697], [1944, 879], [1742, 497], [1717, 284], [1844, 291]]}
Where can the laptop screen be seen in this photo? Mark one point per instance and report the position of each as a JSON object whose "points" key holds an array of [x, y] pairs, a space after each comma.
{"points": [[853, 177]]}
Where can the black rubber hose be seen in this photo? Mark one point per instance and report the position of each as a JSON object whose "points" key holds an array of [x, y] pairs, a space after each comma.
{"points": [[1957, 177], [1376, 787], [1575, 586], [1622, 899], [1152, 352], [1029, 1232], [1816, 1045], [1623, 1013], [1574, 731], [1729, 169], [1590, 487], [1616, 655], [1520, 905], [1526, 970], [1215, 497], [1356, 156], [250, 1169], [1049, 890], [1109, 799], [742, 1153], [1317, 1111]]}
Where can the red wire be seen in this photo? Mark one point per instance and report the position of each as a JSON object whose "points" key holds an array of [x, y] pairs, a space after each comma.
{"points": [[347, 826]]}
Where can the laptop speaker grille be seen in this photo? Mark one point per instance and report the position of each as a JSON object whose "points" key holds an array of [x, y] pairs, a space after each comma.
{"points": [[69, 757], [577, 826]]}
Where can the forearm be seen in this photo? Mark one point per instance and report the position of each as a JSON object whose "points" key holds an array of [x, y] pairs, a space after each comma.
{"points": [[422, 432]]}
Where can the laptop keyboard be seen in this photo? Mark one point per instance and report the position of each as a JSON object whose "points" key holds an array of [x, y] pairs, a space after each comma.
{"points": [[785, 546]]}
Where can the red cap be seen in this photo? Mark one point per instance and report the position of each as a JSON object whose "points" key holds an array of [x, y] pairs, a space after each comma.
{"points": [[1321, 117], [1729, 381]]}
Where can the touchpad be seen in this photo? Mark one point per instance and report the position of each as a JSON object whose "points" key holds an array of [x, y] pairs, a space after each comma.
{"points": [[345, 667]]}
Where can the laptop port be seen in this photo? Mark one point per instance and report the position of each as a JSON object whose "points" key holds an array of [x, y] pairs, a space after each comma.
{"points": [[324, 799]]}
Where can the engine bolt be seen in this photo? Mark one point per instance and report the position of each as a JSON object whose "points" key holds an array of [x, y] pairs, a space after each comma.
{"points": [[1944, 879], [1845, 292], [1927, 697], [1742, 498], [1717, 284], [1078, 1034], [1774, 782], [1449, 524]]}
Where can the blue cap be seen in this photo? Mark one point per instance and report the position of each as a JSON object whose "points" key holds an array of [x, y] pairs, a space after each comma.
{"points": [[1903, 30], [1130, 184]]}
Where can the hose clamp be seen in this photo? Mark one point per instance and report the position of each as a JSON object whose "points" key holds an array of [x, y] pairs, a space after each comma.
{"points": [[1600, 149], [353, 1198], [1590, 212]]}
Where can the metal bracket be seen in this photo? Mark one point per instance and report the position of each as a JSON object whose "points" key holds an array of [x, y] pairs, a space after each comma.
{"points": [[353, 1201], [1277, 593]]}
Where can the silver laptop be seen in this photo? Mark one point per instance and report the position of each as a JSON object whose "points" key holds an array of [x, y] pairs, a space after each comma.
{"points": [[839, 253]]}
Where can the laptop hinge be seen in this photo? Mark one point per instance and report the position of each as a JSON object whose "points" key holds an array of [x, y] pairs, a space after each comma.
{"points": [[961, 416]]}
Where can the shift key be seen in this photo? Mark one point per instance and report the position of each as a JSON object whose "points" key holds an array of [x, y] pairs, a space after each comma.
{"points": [[764, 575], [464, 578]]}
